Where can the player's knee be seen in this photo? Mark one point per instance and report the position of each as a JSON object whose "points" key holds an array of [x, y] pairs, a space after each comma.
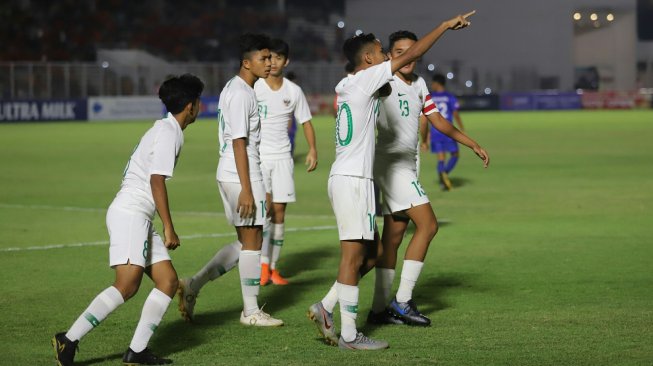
{"points": [[127, 289], [168, 285]]}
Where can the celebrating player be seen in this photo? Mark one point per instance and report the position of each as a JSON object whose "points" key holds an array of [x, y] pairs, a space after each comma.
{"points": [[135, 248], [442, 144], [279, 99], [404, 199], [241, 186], [350, 184]]}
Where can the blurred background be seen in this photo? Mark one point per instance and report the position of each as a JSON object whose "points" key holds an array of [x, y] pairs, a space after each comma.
{"points": [[556, 54]]}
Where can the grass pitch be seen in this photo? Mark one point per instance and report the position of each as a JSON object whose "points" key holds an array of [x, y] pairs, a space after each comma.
{"points": [[546, 258]]}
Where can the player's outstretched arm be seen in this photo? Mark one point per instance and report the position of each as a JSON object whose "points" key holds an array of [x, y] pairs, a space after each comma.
{"points": [[311, 156], [246, 207], [425, 43], [448, 129], [160, 195], [459, 121]]}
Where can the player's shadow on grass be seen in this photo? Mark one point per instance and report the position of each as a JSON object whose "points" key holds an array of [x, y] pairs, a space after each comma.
{"points": [[92, 361], [430, 295], [458, 182], [179, 335], [292, 266]]}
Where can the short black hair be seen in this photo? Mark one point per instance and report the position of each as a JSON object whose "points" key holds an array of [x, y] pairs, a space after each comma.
{"points": [[399, 35], [251, 42], [440, 79], [178, 91], [353, 47], [280, 47]]}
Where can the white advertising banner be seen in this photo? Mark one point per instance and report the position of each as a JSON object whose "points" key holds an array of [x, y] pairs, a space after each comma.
{"points": [[121, 108]]}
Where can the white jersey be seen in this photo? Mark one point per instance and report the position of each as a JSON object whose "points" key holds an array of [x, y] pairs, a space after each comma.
{"points": [[238, 118], [398, 137], [276, 108], [358, 109], [156, 153]]}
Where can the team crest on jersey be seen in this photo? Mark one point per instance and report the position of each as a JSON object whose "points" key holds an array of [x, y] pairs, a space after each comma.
{"points": [[286, 102]]}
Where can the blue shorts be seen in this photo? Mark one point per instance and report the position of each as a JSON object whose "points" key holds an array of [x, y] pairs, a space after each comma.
{"points": [[440, 144]]}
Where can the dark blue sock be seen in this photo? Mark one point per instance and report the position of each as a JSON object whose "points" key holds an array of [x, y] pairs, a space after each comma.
{"points": [[451, 164], [440, 166]]}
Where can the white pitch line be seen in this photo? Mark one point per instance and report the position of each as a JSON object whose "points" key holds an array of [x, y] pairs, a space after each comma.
{"points": [[185, 237], [93, 209]]}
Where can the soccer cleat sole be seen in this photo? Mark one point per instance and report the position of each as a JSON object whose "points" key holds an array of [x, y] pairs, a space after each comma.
{"points": [[313, 317], [181, 307], [53, 342]]}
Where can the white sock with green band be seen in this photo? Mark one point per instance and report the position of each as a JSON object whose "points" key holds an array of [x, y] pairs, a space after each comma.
{"points": [[154, 308], [222, 262], [103, 304], [382, 287], [249, 267], [277, 243], [348, 298], [265, 247]]}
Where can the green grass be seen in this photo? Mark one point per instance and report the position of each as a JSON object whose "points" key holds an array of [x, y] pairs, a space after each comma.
{"points": [[545, 258]]}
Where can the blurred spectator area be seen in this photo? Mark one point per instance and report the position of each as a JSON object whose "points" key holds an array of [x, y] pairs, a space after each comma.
{"points": [[201, 31]]}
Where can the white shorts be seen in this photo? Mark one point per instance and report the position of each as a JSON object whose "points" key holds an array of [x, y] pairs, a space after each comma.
{"points": [[401, 190], [278, 179], [230, 192], [132, 239], [352, 199]]}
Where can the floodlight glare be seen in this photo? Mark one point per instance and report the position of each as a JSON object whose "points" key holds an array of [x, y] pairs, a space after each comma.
{"points": [[488, 91], [450, 75], [609, 17], [594, 16], [341, 24], [431, 67], [359, 32], [468, 83], [577, 16]]}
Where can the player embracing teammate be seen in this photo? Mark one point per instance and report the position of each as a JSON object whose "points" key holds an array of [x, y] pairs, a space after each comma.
{"points": [[404, 198], [350, 185]]}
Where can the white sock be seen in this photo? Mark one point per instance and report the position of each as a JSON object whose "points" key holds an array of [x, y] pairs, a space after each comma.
{"points": [[409, 275], [331, 298], [249, 267], [348, 297], [222, 262], [277, 243], [265, 248], [155, 306], [103, 304], [382, 287]]}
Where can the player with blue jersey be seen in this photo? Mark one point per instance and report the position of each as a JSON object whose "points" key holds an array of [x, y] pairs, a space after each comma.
{"points": [[442, 144]]}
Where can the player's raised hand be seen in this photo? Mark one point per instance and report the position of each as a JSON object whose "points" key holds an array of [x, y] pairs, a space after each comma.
{"points": [[171, 240], [311, 160], [481, 153], [460, 21], [246, 207]]}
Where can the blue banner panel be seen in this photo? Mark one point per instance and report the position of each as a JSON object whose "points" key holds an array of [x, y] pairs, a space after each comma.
{"points": [[558, 101], [540, 101], [209, 107], [479, 102], [43, 110], [517, 101]]}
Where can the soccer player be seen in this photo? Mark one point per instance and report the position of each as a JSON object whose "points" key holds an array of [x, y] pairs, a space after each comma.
{"points": [[135, 248], [404, 199], [279, 100], [350, 183], [240, 182], [442, 144]]}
